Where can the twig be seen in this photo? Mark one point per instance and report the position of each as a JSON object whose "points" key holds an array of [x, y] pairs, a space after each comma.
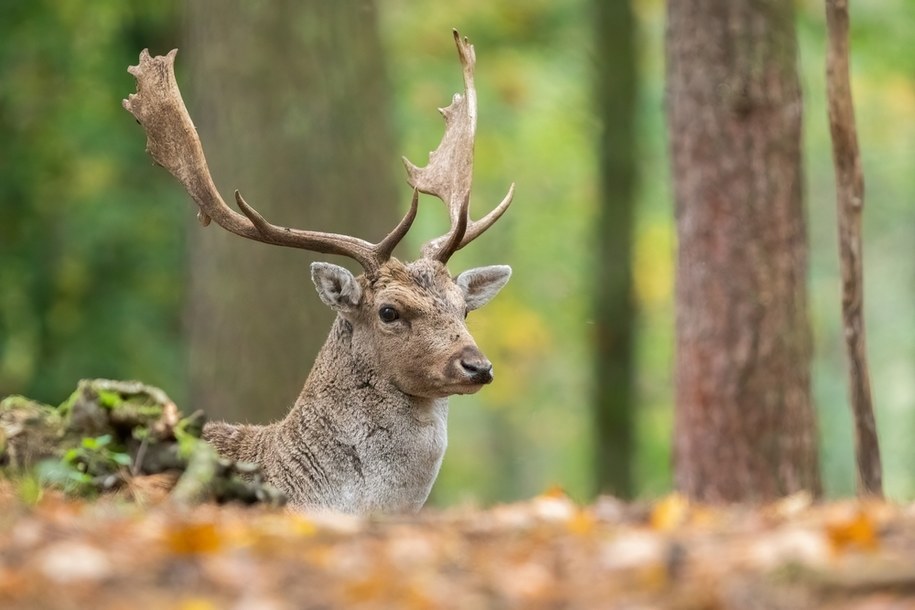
{"points": [[850, 204], [137, 465]]}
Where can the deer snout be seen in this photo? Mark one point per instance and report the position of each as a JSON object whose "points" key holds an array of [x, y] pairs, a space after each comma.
{"points": [[474, 365]]}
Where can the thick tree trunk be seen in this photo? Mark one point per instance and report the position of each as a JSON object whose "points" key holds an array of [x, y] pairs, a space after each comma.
{"points": [[614, 310], [745, 427], [290, 101]]}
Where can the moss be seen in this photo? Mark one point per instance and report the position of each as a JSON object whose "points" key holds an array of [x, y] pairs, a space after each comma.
{"points": [[31, 431], [109, 399], [67, 406], [21, 403]]}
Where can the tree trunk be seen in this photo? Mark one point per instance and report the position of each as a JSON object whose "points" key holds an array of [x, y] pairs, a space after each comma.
{"points": [[850, 207], [745, 427], [614, 310], [289, 98]]}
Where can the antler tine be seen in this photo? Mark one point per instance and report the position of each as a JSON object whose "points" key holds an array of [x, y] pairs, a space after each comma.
{"points": [[449, 173], [385, 247], [173, 143], [474, 229], [452, 241], [365, 253]]}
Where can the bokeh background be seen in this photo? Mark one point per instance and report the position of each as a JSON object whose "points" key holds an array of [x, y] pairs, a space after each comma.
{"points": [[99, 254]]}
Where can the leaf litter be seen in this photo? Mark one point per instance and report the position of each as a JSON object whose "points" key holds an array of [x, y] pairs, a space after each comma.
{"points": [[111, 501], [547, 552]]}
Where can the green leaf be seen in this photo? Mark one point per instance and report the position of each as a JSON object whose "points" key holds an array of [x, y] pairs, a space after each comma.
{"points": [[120, 458], [109, 399], [98, 442], [79, 477]]}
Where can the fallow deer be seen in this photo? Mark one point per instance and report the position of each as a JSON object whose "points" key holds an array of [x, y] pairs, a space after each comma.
{"points": [[368, 431]]}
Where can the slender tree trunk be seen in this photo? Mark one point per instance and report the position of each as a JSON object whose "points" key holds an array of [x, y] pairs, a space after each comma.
{"points": [[614, 309], [745, 427], [290, 101], [850, 203]]}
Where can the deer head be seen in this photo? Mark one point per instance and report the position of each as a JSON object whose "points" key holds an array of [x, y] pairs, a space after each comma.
{"points": [[406, 319], [408, 322]]}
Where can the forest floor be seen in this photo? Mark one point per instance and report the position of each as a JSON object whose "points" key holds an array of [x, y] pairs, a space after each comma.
{"points": [[548, 552]]}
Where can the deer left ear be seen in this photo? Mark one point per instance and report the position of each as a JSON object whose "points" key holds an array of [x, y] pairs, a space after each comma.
{"points": [[482, 284], [336, 286]]}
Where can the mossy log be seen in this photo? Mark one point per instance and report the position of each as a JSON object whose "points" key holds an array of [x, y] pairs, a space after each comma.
{"points": [[110, 432]]}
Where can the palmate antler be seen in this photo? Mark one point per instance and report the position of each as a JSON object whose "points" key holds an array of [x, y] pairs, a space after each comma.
{"points": [[173, 143], [449, 173]]}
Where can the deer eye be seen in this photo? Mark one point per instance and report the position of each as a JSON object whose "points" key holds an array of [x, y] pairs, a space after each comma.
{"points": [[388, 314]]}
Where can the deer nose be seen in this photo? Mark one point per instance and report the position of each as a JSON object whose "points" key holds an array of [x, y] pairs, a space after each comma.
{"points": [[477, 367]]}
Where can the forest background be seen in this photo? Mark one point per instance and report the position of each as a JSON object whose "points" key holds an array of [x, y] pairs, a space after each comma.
{"points": [[96, 245]]}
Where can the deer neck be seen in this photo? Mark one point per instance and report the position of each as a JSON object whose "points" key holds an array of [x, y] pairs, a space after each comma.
{"points": [[353, 441]]}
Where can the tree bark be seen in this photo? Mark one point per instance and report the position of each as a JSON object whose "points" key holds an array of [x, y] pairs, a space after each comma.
{"points": [[290, 99], [745, 426], [614, 308], [850, 204]]}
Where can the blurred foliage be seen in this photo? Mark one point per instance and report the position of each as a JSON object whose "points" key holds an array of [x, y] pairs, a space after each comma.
{"points": [[91, 240]]}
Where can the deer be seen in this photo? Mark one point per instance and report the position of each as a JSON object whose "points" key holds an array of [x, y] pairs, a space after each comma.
{"points": [[368, 431]]}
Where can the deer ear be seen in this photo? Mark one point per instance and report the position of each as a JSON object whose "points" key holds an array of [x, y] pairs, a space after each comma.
{"points": [[336, 286], [483, 283]]}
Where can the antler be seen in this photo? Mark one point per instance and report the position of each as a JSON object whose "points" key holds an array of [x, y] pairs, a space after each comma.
{"points": [[173, 143], [449, 173]]}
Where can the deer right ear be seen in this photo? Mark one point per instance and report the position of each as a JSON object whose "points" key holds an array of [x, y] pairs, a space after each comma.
{"points": [[336, 286], [482, 284]]}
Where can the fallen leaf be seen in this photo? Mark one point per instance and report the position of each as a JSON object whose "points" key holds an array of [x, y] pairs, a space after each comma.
{"points": [[857, 532], [193, 538], [669, 513]]}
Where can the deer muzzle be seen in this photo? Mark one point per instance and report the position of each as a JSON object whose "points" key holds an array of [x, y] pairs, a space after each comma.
{"points": [[473, 365]]}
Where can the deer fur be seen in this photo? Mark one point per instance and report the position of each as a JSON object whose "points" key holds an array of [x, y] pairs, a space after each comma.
{"points": [[368, 431]]}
